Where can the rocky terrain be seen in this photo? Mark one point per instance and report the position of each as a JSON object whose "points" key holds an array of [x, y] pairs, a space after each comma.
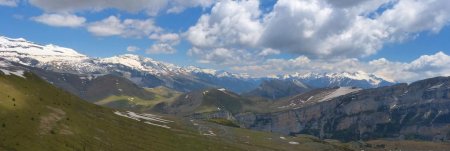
{"points": [[419, 110]]}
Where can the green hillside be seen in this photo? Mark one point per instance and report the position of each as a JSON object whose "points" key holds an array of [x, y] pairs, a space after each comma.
{"points": [[210, 100], [35, 115], [136, 103]]}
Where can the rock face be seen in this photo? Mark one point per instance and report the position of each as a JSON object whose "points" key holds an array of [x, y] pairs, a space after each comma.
{"points": [[419, 110]]}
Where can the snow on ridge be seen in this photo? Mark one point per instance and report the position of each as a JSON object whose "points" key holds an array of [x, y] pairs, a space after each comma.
{"points": [[220, 74], [339, 92], [21, 46], [66, 59], [336, 77], [222, 89], [4, 64], [142, 64], [147, 118], [19, 73], [437, 86]]}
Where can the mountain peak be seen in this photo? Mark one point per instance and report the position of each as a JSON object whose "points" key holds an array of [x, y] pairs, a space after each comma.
{"points": [[361, 78], [19, 48]]}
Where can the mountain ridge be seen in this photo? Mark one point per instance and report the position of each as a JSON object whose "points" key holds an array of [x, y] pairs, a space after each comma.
{"points": [[148, 72]]}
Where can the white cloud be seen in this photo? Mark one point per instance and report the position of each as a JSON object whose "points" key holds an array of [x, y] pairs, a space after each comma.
{"points": [[223, 56], [230, 24], [408, 18], [161, 48], [113, 26], [10, 3], [317, 28], [231, 57], [171, 38], [268, 52], [60, 20], [346, 3], [151, 7], [180, 5], [133, 48]]}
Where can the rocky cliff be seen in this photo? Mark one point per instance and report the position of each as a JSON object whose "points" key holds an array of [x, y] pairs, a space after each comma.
{"points": [[418, 110]]}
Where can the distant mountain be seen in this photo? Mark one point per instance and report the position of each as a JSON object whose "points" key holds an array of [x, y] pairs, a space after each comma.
{"points": [[276, 88], [143, 71], [344, 79], [419, 110], [146, 72]]}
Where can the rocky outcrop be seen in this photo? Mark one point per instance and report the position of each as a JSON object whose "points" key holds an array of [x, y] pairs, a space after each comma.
{"points": [[213, 115], [419, 110]]}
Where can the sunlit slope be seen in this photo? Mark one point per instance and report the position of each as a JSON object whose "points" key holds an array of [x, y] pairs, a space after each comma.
{"points": [[35, 115]]}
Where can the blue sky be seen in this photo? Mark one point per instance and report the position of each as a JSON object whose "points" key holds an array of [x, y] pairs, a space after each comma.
{"points": [[260, 37]]}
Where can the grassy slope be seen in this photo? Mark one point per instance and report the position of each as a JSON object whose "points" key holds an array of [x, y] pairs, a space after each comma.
{"points": [[161, 94], [211, 100], [42, 117]]}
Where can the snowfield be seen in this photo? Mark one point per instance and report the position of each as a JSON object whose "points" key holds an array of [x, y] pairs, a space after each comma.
{"points": [[5, 68], [339, 92], [19, 73], [146, 118]]}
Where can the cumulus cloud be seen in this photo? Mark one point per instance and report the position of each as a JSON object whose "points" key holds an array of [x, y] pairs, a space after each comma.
{"points": [[231, 57], [317, 28], [60, 20], [171, 38], [268, 52], [230, 24], [180, 5], [113, 26], [223, 56], [161, 48], [133, 48], [151, 7], [10, 3]]}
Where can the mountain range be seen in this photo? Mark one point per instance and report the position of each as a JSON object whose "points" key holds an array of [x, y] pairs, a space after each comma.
{"points": [[147, 72]]}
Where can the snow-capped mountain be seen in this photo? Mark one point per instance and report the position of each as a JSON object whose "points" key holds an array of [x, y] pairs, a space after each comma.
{"points": [[357, 79], [143, 71], [17, 49], [147, 72]]}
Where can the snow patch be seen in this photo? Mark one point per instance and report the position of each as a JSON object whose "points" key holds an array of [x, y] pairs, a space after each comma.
{"points": [[210, 133], [294, 143], [339, 92], [222, 89], [436, 86], [19, 73], [4, 64], [147, 118]]}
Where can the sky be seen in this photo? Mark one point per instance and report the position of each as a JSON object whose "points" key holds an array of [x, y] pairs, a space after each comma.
{"points": [[399, 40]]}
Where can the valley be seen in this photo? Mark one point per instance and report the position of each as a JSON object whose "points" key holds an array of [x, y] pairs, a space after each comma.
{"points": [[59, 101], [38, 116]]}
